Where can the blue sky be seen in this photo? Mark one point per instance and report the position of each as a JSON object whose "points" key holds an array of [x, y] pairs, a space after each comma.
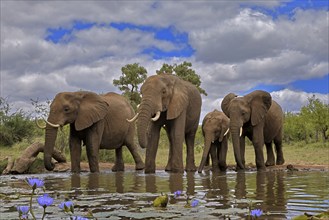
{"points": [[277, 46]]}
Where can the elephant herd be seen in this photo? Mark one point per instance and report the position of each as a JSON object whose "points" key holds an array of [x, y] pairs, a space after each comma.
{"points": [[107, 121]]}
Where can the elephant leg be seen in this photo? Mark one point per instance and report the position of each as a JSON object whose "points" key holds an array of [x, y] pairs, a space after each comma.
{"points": [[190, 162], [132, 147], [258, 142], [270, 155], [222, 154], [75, 151], [152, 148], [168, 166], [119, 165], [176, 136], [214, 157], [278, 148], [93, 140]]}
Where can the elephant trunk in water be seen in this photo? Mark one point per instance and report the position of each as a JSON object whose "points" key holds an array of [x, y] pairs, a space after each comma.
{"points": [[206, 150], [50, 138], [236, 133]]}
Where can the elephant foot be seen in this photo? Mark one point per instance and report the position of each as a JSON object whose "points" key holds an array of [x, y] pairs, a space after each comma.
{"points": [[261, 168], [118, 168], [190, 168], [149, 170], [178, 170], [140, 166], [215, 169], [269, 163], [280, 161], [168, 168]]}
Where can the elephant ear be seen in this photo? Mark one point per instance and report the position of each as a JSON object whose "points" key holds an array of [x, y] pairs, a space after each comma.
{"points": [[226, 102], [92, 109], [178, 102], [224, 129], [260, 102]]}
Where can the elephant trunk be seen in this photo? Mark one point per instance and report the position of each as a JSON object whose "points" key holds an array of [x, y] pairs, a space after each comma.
{"points": [[235, 132], [143, 123], [205, 155], [50, 138]]}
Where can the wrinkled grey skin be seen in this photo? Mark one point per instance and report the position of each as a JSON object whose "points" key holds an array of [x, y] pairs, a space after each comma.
{"points": [[214, 126], [97, 121], [180, 105], [262, 121]]}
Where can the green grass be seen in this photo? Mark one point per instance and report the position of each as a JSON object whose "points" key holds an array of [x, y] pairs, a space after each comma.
{"points": [[298, 153]]}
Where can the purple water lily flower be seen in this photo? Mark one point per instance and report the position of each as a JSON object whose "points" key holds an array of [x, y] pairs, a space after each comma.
{"points": [[23, 209], [256, 212], [194, 203], [35, 183], [177, 193], [66, 206], [45, 200]]}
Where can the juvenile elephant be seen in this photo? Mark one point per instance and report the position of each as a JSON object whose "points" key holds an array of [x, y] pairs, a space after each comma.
{"points": [[258, 117], [176, 104], [99, 121], [215, 127]]}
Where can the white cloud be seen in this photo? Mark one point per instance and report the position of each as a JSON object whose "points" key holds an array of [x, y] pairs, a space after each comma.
{"points": [[236, 48]]}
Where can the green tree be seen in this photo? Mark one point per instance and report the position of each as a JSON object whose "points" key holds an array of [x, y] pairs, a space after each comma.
{"points": [[128, 83], [317, 114], [185, 72]]}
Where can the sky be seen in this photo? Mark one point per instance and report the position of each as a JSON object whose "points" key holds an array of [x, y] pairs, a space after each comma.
{"points": [[235, 46]]}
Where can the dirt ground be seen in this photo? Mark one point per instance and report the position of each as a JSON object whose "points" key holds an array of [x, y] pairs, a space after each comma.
{"points": [[65, 167]]}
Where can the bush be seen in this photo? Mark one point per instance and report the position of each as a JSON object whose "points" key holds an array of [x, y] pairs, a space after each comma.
{"points": [[14, 127]]}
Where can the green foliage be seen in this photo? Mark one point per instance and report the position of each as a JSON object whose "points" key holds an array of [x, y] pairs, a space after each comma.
{"points": [[14, 127], [128, 83], [185, 72], [310, 124]]}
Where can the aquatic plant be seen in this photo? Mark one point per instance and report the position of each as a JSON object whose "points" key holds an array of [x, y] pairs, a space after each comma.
{"points": [[161, 201], [177, 193], [44, 201], [23, 211], [67, 206], [256, 213]]}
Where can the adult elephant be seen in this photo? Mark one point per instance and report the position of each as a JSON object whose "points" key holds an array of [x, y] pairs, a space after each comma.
{"points": [[175, 104], [258, 117], [99, 121], [215, 127]]}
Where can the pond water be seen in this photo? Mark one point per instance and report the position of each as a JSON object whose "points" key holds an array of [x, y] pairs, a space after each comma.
{"points": [[129, 195]]}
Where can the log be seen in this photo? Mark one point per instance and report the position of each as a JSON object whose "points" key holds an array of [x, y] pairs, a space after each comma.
{"points": [[29, 155], [10, 165]]}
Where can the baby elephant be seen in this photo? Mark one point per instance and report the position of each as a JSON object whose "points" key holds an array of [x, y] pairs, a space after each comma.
{"points": [[215, 127]]}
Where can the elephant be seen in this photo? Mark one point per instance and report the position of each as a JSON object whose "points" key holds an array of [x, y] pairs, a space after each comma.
{"points": [[97, 121], [215, 130], [260, 118], [170, 102]]}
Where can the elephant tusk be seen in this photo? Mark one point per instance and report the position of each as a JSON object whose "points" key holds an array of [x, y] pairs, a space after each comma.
{"points": [[39, 126], [133, 119], [157, 116], [240, 131], [51, 124], [226, 132]]}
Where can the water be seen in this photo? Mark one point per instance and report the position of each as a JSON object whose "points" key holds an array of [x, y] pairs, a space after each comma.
{"points": [[129, 195]]}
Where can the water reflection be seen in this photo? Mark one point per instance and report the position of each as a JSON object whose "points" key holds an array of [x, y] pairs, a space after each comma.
{"points": [[280, 194]]}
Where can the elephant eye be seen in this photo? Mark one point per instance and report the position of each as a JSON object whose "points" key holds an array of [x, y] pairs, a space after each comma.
{"points": [[66, 109], [164, 91]]}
